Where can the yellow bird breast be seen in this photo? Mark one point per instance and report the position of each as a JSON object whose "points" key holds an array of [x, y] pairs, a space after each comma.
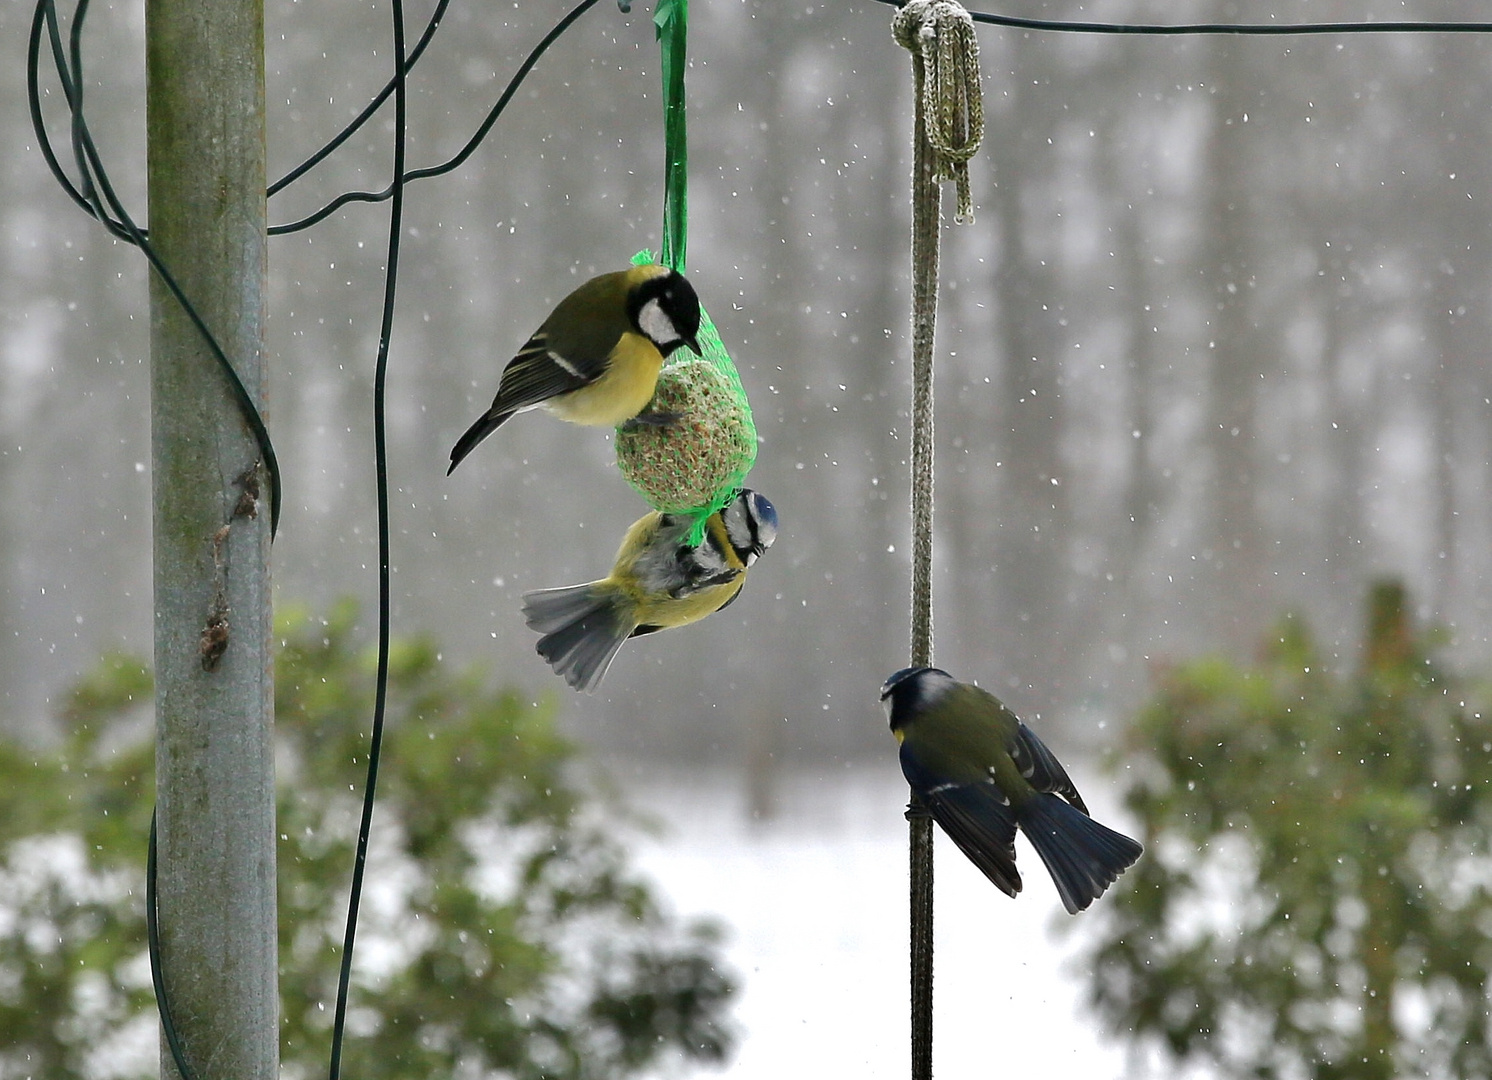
{"points": [[622, 391], [669, 613]]}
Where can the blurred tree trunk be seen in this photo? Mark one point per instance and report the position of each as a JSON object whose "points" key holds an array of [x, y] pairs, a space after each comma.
{"points": [[1457, 355], [1143, 493], [1235, 560], [1344, 448], [1032, 524]]}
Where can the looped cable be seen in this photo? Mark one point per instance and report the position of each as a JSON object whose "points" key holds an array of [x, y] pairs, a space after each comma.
{"points": [[945, 64]]}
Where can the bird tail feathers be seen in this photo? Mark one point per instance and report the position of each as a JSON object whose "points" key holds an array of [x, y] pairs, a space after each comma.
{"points": [[583, 627], [485, 426], [1083, 857]]}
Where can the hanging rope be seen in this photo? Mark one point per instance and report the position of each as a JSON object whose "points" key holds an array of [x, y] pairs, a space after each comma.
{"points": [[947, 129], [945, 69]]}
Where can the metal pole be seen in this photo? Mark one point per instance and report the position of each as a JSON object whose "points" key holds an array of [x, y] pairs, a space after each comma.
{"points": [[214, 689]]}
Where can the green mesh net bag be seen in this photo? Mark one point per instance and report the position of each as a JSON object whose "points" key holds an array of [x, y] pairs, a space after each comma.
{"points": [[696, 464]]}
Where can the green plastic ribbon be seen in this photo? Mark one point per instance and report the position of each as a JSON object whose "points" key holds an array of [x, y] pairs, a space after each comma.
{"points": [[671, 23]]}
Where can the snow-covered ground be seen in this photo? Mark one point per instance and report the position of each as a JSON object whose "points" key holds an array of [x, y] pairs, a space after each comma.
{"points": [[816, 904]]}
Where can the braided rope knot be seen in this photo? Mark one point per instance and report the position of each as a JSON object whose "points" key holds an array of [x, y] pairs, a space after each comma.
{"points": [[945, 65]]}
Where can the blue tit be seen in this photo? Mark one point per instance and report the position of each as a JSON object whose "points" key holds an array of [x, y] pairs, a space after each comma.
{"points": [[596, 359], [658, 582], [981, 772]]}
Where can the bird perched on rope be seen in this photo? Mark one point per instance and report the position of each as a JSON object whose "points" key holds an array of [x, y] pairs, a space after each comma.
{"points": [[658, 582], [595, 360], [980, 772]]}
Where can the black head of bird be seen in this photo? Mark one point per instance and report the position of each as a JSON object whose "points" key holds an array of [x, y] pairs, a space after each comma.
{"points": [[665, 310], [981, 773]]}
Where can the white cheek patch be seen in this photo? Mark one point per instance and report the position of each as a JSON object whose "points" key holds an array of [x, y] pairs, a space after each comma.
{"points": [[737, 525], [747, 532], [655, 324]]}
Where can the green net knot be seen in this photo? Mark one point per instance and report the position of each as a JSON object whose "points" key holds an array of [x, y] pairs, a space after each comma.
{"points": [[696, 464]]}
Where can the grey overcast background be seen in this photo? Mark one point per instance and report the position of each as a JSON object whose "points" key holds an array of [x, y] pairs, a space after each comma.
{"points": [[1214, 347]]}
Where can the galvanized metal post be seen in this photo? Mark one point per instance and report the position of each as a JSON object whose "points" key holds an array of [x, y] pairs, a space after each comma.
{"points": [[214, 690]]}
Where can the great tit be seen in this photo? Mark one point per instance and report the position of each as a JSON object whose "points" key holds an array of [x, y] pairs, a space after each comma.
{"points": [[595, 360], [658, 582], [981, 772]]}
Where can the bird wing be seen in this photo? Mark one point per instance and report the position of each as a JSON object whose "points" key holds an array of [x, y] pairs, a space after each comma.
{"points": [[975, 816], [982, 826], [707, 565], [539, 372], [668, 566], [1040, 766], [713, 562], [701, 583]]}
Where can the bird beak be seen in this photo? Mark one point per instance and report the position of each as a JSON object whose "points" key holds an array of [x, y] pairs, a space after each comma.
{"points": [[693, 345]]}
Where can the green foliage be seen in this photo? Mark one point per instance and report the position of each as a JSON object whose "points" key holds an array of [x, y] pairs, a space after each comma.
{"points": [[501, 932], [1316, 898], [74, 985]]}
